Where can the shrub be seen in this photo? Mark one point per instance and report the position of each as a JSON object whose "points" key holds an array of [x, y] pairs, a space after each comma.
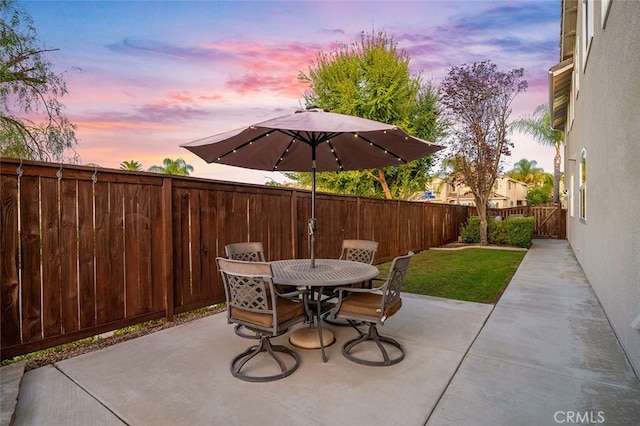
{"points": [[470, 232], [512, 231], [520, 230], [500, 234]]}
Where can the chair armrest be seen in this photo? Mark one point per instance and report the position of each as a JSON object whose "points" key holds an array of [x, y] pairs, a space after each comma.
{"points": [[356, 289], [290, 294], [384, 281], [342, 290]]}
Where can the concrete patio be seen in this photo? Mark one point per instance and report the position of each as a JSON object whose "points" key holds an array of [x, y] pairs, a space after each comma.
{"points": [[545, 354]]}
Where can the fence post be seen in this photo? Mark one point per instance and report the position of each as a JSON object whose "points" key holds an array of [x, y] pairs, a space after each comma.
{"points": [[167, 243], [294, 223], [358, 217]]}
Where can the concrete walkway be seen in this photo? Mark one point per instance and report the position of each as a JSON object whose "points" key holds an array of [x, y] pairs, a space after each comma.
{"points": [[547, 355], [544, 355]]}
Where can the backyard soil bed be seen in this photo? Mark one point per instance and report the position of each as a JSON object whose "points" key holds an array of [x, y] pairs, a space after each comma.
{"points": [[70, 350], [460, 245]]}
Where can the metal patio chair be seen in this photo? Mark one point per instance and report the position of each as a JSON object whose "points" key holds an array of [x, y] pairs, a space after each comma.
{"points": [[247, 252], [372, 307], [363, 251], [254, 302]]}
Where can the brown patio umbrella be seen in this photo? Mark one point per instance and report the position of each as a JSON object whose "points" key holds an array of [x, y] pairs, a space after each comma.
{"points": [[313, 140]]}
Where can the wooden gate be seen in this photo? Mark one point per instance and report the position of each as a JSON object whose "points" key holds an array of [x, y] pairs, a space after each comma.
{"points": [[550, 219], [546, 221]]}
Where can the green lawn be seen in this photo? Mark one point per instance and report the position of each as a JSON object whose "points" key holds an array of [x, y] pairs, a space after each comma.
{"points": [[474, 275]]}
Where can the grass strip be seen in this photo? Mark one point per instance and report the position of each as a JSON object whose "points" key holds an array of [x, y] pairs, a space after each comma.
{"points": [[473, 275]]}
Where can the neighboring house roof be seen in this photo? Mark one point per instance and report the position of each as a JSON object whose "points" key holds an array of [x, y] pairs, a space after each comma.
{"points": [[493, 196]]}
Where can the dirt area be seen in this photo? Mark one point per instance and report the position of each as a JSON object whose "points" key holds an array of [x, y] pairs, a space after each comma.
{"points": [[458, 244], [70, 350]]}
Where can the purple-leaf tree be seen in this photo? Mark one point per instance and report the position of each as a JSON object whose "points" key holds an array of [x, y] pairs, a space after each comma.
{"points": [[477, 99]]}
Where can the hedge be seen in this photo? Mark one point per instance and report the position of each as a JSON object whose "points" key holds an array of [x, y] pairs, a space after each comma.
{"points": [[512, 231]]}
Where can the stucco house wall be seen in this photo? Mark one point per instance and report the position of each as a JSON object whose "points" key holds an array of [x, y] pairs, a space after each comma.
{"points": [[604, 121], [507, 192]]}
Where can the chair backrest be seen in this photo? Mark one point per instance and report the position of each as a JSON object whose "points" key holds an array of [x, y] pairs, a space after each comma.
{"points": [[362, 251], [248, 286], [395, 280], [252, 299], [248, 252]]}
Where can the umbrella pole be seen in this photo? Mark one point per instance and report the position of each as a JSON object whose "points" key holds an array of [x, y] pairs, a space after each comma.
{"points": [[313, 222]]}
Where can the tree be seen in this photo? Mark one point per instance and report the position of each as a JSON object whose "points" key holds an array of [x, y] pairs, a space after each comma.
{"points": [[538, 125], [371, 79], [538, 195], [30, 92], [173, 167], [527, 172], [478, 100], [132, 165]]}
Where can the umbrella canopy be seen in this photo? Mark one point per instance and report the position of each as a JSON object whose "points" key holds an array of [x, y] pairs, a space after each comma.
{"points": [[313, 140], [342, 142]]}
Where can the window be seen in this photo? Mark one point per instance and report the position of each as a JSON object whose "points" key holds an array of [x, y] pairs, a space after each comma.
{"points": [[587, 28], [577, 66], [606, 4], [582, 191], [571, 195]]}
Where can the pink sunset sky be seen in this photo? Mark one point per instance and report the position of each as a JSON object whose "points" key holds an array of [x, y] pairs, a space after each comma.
{"points": [[146, 76]]}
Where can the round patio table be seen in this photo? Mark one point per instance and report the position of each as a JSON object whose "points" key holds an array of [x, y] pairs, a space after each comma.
{"points": [[327, 273]]}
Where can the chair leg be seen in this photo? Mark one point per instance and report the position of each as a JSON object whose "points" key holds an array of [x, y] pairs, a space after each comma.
{"points": [[242, 331], [265, 345], [246, 333], [374, 336]]}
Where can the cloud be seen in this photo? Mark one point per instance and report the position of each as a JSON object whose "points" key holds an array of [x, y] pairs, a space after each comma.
{"points": [[250, 66], [332, 31], [254, 82], [159, 115], [512, 36]]}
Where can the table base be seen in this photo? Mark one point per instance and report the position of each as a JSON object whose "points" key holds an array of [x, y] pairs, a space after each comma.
{"points": [[307, 338]]}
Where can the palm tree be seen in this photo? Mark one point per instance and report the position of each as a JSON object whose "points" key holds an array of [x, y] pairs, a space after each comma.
{"points": [[527, 172], [132, 165], [173, 167], [538, 125]]}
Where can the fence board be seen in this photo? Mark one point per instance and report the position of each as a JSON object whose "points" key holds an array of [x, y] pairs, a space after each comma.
{"points": [[9, 293], [51, 262], [110, 281], [86, 255], [30, 251], [117, 286], [136, 248], [303, 210], [182, 216], [208, 237], [68, 248]]}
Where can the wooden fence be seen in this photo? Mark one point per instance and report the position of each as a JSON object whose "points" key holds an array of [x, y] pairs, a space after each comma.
{"points": [[550, 219], [85, 251]]}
